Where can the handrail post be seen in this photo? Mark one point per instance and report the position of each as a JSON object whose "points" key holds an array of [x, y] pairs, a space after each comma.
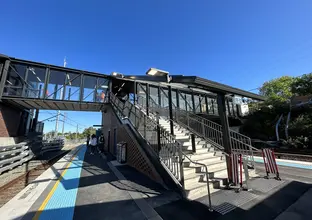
{"points": [[193, 143], [208, 188], [144, 126], [181, 165], [170, 110], [158, 132]]}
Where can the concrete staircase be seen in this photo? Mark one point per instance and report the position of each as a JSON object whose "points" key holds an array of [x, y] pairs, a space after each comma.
{"points": [[195, 181], [194, 175]]}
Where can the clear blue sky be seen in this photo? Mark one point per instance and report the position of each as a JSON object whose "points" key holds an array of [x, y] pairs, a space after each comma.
{"points": [[241, 43]]}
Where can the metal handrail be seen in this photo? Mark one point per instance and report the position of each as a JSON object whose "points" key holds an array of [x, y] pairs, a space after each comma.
{"points": [[169, 150], [203, 127], [207, 177]]}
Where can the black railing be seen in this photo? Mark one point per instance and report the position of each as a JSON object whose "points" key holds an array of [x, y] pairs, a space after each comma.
{"points": [[161, 141]]}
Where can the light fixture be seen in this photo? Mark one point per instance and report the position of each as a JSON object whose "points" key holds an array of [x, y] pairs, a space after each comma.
{"points": [[38, 79], [9, 82], [156, 72], [117, 74]]}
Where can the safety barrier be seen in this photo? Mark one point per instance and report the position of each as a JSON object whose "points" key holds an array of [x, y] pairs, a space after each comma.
{"points": [[239, 166], [270, 163], [236, 160], [15, 155], [52, 145], [12, 156]]}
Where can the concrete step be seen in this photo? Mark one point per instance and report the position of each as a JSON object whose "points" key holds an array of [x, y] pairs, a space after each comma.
{"points": [[207, 161], [191, 182], [182, 137], [211, 166], [187, 146], [218, 172], [199, 190], [197, 156], [204, 149]]}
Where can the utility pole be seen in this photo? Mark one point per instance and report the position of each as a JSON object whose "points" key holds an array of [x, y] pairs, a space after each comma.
{"points": [[77, 132], [56, 123], [59, 112], [63, 123]]}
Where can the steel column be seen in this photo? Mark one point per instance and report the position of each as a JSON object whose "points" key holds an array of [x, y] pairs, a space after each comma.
{"points": [[147, 95], [159, 96], [178, 102], [4, 76], [170, 109], [134, 101], [193, 103], [81, 88], [46, 82], [35, 121], [206, 103], [25, 84], [225, 131]]}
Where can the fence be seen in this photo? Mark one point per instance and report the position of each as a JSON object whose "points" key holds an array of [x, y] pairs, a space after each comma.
{"points": [[52, 145], [161, 141], [14, 155], [204, 128]]}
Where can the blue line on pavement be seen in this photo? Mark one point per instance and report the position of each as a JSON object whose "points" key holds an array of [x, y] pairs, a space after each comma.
{"points": [[288, 164], [62, 203]]}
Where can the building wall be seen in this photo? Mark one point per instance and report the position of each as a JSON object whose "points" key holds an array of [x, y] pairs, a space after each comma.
{"points": [[136, 157], [9, 121]]}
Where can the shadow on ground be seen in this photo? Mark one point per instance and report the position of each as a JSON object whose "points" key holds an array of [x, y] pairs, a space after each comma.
{"points": [[102, 196]]}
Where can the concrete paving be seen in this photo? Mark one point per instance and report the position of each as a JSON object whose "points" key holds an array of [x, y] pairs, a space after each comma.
{"points": [[83, 187], [301, 209], [93, 187]]}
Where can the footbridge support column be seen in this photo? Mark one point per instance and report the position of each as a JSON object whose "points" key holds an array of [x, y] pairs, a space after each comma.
{"points": [[225, 131]]}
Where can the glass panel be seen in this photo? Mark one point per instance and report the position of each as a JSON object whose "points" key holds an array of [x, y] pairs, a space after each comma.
{"points": [[164, 98], [153, 96], [102, 89], [72, 89], [56, 83], [189, 102], [215, 106], [197, 103], [35, 82], [15, 80], [141, 94], [202, 100], [89, 86], [182, 101], [174, 98]]}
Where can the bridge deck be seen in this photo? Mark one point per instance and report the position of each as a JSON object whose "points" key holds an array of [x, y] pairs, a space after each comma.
{"points": [[84, 186]]}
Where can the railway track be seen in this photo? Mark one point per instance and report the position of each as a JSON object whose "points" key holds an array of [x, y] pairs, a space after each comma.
{"points": [[10, 189]]}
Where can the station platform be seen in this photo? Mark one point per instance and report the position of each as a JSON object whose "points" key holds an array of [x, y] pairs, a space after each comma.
{"points": [[82, 186]]}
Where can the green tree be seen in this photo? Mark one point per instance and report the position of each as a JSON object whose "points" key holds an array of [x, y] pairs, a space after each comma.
{"points": [[278, 90], [89, 131], [302, 85]]}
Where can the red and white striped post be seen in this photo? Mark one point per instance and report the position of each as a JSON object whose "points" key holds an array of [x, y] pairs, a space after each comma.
{"points": [[270, 162], [237, 169]]}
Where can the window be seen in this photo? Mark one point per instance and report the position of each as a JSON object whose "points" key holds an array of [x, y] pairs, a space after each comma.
{"points": [[89, 86], [55, 88], [15, 80], [35, 78]]}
